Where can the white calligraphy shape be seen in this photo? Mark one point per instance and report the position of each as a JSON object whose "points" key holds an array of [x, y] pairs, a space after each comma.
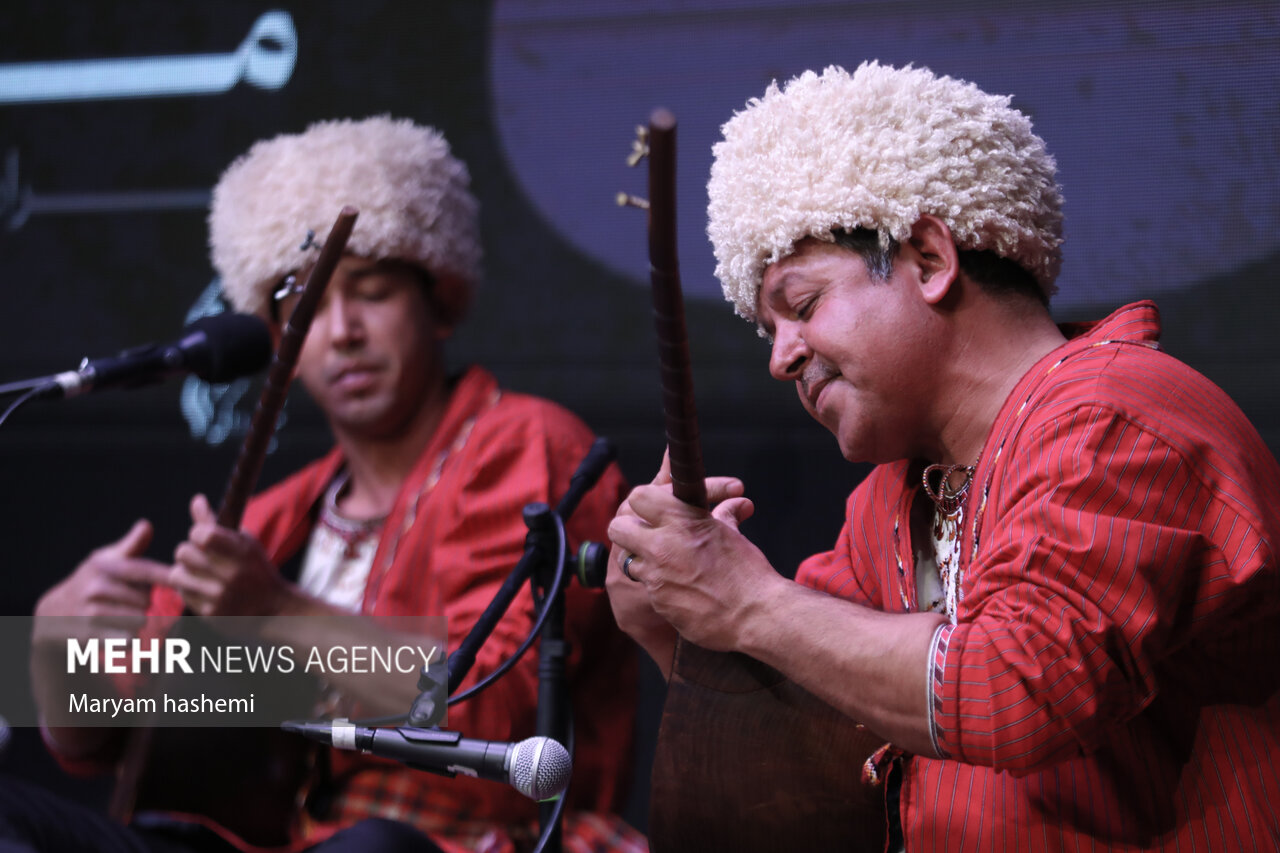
{"points": [[264, 59], [18, 202]]}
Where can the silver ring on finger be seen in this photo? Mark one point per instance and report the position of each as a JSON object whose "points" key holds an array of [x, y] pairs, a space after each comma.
{"points": [[626, 568]]}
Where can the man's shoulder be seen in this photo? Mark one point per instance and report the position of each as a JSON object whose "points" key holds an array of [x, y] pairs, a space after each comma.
{"points": [[1115, 355], [1113, 388], [1138, 380], [295, 493], [518, 410]]}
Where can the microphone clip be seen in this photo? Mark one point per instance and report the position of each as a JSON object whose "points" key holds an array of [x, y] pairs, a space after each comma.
{"points": [[433, 700]]}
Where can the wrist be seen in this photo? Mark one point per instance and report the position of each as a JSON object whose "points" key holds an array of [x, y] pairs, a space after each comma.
{"points": [[290, 606], [660, 646], [757, 628]]}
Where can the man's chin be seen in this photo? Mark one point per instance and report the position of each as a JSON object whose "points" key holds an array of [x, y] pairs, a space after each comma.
{"points": [[850, 455], [851, 449], [358, 416]]}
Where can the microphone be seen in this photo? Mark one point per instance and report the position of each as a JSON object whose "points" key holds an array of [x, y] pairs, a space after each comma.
{"points": [[537, 767], [218, 348], [590, 469]]}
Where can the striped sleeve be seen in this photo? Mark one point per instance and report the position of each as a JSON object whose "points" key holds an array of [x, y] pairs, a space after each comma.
{"points": [[1081, 591]]}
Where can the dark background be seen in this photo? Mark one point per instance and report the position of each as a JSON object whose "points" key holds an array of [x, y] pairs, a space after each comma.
{"points": [[1165, 119]]}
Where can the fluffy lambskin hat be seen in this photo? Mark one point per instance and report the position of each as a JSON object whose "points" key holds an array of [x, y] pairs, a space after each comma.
{"points": [[877, 149], [413, 196]]}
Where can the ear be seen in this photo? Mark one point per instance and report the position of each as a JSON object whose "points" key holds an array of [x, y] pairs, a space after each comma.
{"points": [[937, 262], [448, 298], [439, 328]]}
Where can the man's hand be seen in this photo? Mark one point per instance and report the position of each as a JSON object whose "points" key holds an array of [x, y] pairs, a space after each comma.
{"points": [[692, 571], [222, 572], [630, 600], [106, 596]]}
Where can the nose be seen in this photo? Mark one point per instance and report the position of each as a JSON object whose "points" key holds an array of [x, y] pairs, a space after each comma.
{"points": [[790, 353], [341, 317]]}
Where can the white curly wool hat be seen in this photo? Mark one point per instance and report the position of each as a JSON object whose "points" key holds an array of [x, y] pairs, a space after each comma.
{"points": [[413, 197], [878, 149]]}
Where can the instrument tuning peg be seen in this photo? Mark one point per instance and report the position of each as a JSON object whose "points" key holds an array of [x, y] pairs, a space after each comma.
{"points": [[639, 146], [628, 200]]}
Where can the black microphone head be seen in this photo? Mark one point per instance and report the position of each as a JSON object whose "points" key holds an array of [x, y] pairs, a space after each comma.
{"points": [[223, 347], [540, 768]]}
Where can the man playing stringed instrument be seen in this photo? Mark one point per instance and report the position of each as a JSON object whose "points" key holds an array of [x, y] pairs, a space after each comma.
{"points": [[417, 510], [1056, 597]]}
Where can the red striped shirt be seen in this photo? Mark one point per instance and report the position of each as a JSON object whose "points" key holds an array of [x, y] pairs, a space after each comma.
{"points": [[1112, 681]]}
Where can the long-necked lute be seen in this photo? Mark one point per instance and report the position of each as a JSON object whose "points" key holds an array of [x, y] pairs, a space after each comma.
{"points": [[746, 760], [245, 779]]}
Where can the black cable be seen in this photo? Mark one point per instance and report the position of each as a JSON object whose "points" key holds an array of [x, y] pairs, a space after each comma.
{"points": [[30, 393], [557, 812], [550, 596]]}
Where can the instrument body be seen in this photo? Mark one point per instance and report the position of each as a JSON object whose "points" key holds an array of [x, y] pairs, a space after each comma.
{"points": [[749, 761]]}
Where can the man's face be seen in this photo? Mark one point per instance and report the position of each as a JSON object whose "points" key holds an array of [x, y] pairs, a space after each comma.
{"points": [[855, 347], [372, 351]]}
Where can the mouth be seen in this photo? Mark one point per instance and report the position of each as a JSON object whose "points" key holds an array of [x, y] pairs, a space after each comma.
{"points": [[353, 377], [814, 381], [813, 393]]}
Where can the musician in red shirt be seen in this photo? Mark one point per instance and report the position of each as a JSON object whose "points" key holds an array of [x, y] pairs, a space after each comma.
{"points": [[1056, 597], [415, 514]]}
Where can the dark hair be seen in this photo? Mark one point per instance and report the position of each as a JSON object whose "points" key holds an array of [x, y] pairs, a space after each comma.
{"points": [[865, 243], [994, 274]]}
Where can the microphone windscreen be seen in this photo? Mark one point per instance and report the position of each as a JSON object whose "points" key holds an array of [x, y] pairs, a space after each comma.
{"points": [[540, 768], [223, 347]]}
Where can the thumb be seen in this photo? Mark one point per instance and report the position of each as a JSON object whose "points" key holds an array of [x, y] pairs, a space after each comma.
{"points": [[201, 512], [663, 476], [734, 511], [135, 542]]}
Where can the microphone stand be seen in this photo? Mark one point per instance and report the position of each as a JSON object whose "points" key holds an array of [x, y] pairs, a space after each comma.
{"points": [[552, 719], [545, 532], [537, 518]]}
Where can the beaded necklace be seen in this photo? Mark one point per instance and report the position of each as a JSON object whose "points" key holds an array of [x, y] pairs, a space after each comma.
{"points": [[351, 531], [948, 524]]}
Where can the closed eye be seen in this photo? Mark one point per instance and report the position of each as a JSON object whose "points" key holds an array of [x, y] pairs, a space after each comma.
{"points": [[374, 290]]}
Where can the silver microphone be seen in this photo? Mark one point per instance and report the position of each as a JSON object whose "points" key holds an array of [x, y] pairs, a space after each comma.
{"points": [[538, 767]]}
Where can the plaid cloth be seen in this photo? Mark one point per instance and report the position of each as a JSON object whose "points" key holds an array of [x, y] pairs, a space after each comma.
{"points": [[389, 793]]}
